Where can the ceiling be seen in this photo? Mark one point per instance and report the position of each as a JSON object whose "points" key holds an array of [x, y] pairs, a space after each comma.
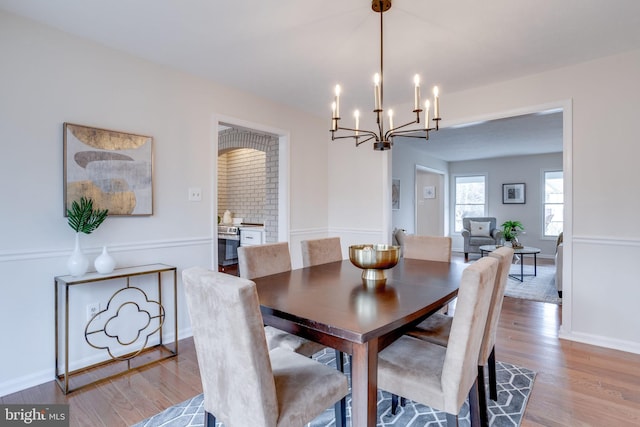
{"points": [[523, 135], [293, 52]]}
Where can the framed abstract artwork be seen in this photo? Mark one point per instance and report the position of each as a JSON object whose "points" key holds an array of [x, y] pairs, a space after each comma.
{"points": [[429, 192], [114, 169], [395, 194], [513, 193]]}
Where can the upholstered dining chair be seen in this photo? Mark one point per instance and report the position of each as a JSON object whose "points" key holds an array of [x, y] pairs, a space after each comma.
{"points": [[321, 251], [429, 248], [442, 377], [265, 260], [436, 329], [245, 384]]}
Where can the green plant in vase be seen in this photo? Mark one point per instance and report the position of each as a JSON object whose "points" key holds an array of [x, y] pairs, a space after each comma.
{"points": [[510, 230], [82, 218]]}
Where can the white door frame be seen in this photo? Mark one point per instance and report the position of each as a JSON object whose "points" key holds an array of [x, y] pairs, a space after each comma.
{"points": [[283, 174]]}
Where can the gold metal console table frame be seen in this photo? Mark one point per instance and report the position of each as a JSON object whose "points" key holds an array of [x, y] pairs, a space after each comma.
{"points": [[63, 379]]}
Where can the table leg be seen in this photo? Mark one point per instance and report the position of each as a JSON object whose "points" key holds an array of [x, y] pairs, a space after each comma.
{"points": [[522, 268], [535, 264], [364, 384]]}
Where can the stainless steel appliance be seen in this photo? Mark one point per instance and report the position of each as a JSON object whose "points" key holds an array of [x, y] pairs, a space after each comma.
{"points": [[228, 242]]}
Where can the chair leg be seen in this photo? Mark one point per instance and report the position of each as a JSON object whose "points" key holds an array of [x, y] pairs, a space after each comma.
{"points": [[341, 412], [493, 382], [403, 401], [209, 419], [482, 398], [466, 257], [452, 420], [394, 404], [340, 361], [474, 410]]}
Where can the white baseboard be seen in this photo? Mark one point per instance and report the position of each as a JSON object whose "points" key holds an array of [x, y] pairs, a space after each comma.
{"points": [[600, 341], [47, 375]]}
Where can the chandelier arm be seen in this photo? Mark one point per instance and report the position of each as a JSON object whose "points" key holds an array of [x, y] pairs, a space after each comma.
{"points": [[395, 130], [354, 137], [361, 131], [363, 141], [425, 136]]}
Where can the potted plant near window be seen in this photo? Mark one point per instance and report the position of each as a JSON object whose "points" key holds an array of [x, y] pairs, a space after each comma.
{"points": [[82, 219], [510, 230]]}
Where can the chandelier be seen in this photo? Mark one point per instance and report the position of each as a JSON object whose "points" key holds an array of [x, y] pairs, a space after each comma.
{"points": [[383, 140]]}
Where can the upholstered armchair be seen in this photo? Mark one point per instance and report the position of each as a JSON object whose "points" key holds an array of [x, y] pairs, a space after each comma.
{"points": [[479, 231]]}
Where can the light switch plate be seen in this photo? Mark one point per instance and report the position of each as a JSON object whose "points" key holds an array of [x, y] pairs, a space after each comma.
{"points": [[195, 194]]}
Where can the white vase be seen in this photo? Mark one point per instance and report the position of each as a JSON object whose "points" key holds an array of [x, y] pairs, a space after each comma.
{"points": [[104, 263], [78, 263]]}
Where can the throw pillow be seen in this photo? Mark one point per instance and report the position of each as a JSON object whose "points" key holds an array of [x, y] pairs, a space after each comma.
{"points": [[480, 229]]}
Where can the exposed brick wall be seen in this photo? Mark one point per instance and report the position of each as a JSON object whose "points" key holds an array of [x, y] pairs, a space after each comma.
{"points": [[248, 178]]}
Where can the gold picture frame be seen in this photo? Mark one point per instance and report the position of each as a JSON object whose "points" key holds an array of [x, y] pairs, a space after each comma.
{"points": [[114, 169]]}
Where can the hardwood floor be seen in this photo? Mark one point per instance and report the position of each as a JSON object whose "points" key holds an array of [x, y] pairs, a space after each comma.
{"points": [[575, 385]]}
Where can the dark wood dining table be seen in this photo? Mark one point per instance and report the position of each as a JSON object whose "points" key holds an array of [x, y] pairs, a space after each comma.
{"points": [[329, 304]]}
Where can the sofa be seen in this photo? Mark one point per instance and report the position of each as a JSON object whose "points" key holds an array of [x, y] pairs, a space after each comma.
{"points": [[476, 233]]}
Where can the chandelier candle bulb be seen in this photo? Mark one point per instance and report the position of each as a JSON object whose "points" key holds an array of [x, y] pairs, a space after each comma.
{"points": [[436, 103], [390, 119], [426, 113], [416, 98], [337, 110], [356, 115], [334, 120], [376, 90]]}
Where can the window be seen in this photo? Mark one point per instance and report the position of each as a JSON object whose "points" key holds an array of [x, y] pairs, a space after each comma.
{"points": [[470, 198], [553, 206]]}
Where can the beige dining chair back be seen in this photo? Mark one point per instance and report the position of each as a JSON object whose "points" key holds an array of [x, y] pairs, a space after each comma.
{"points": [[321, 251], [428, 248], [436, 329], [244, 383], [442, 377], [265, 260]]}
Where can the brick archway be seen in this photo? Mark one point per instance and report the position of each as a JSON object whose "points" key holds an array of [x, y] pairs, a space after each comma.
{"points": [[257, 199]]}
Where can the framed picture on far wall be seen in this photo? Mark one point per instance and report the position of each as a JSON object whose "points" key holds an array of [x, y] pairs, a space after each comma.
{"points": [[513, 193]]}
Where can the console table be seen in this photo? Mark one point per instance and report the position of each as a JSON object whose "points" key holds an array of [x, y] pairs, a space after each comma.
{"points": [[112, 334]]}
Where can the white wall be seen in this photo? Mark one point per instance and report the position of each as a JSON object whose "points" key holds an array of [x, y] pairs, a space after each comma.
{"points": [[517, 169], [405, 161], [49, 77], [430, 213], [601, 162]]}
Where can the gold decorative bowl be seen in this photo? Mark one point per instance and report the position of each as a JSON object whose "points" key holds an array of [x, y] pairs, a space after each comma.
{"points": [[374, 259]]}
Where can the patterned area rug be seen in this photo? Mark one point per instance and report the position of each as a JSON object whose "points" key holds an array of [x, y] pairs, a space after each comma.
{"points": [[514, 387], [541, 287]]}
